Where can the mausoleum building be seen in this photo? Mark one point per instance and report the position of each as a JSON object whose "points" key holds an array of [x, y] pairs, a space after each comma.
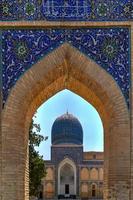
{"points": [[71, 172]]}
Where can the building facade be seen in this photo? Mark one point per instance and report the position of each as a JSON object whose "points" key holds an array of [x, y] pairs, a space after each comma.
{"points": [[71, 172]]}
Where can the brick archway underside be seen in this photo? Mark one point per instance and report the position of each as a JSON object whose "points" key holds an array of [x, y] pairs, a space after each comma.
{"points": [[64, 68]]}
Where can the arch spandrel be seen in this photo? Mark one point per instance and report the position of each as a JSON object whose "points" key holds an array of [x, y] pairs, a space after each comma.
{"points": [[58, 62], [109, 47], [84, 77]]}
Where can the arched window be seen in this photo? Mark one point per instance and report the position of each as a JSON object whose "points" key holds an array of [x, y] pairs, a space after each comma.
{"points": [[84, 174], [84, 190], [94, 174], [49, 174]]}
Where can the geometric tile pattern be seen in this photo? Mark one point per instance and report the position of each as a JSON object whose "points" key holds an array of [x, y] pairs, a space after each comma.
{"points": [[108, 47], [66, 10]]}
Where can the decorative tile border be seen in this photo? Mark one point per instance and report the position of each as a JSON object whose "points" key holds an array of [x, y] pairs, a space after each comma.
{"points": [[66, 10], [108, 47]]}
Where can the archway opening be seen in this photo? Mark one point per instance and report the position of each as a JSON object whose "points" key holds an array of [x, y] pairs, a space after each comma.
{"points": [[68, 102], [66, 179]]}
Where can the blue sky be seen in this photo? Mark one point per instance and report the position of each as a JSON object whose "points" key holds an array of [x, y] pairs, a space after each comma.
{"points": [[85, 112]]}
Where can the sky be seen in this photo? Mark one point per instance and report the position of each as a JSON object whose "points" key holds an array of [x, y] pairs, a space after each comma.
{"points": [[88, 116]]}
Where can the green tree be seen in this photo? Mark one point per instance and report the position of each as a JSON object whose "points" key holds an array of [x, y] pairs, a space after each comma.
{"points": [[36, 163]]}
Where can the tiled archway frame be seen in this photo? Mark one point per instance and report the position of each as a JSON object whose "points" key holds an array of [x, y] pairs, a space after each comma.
{"points": [[109, 47], [65, 67]]}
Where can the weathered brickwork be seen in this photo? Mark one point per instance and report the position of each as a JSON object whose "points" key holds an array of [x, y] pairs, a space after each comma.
{"points": [[119, 191]]}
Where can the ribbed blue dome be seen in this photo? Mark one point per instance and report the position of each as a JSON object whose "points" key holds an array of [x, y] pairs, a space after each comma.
{"points": [[67, 129]]}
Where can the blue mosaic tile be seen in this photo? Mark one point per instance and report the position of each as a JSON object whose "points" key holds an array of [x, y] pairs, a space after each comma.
{"points": [[108, 47], [63, 10]]}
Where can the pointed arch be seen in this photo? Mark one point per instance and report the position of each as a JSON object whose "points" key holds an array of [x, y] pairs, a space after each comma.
{"points": [[71, 165], [84, 174], [49, 174], [94, 174], [64, 68]]}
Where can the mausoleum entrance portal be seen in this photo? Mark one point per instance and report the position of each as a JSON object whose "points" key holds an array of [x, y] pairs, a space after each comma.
{"points": [[65, 67], [67, 179]]}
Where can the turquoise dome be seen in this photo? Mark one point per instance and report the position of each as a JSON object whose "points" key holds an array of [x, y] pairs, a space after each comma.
{"points": [[67, 130]]}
